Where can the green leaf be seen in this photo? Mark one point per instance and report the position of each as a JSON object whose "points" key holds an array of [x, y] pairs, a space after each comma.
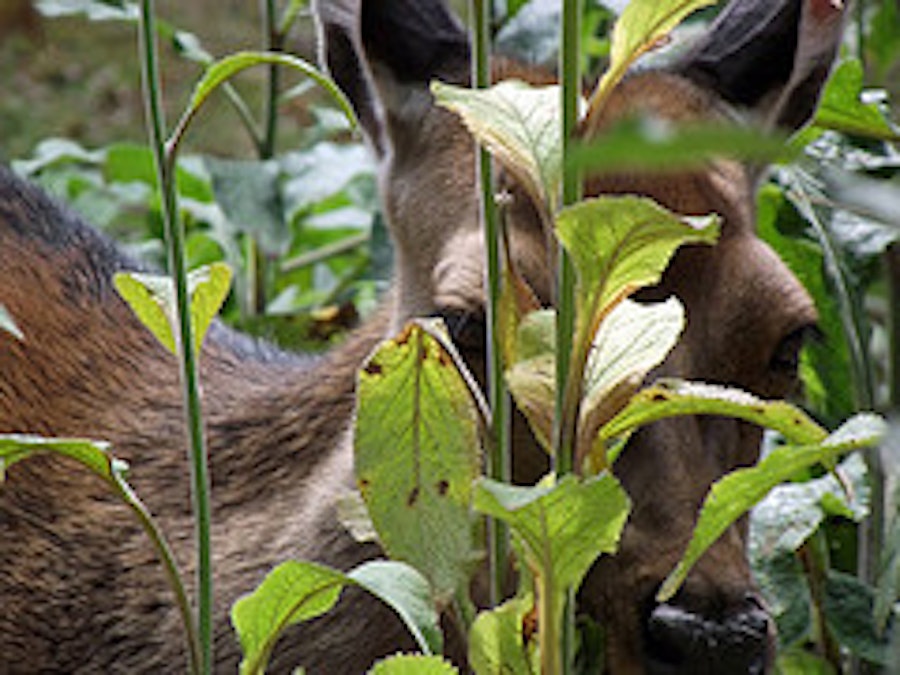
{"points": [[130, 162], [562, 527], [735, 494], [496, 645], [674, 398], [8, 324], [655, 145], [417, 453], [297, 591], [643, 25], [520, 125], [248, 193], [842, 110], [92, 454], [208, 287], [407, 592], [790, 514], [620, 244], [849, 614], [291, 593], [152, 298], [409, 664], [784, 586], [223, 69]]}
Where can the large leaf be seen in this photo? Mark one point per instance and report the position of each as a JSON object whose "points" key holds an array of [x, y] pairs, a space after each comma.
{"points": [[642, 26], [735, 494], [297, 591], [417, 453], [849, 614], [842, 110], [562, 528], [520, 125], [620, 244], [152, 298]]}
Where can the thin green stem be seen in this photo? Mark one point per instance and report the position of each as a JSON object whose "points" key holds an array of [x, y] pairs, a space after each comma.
{"points": [[499, 437], [165, 169], [564, 433], [169, 565], [566, 417], [274, 43]]}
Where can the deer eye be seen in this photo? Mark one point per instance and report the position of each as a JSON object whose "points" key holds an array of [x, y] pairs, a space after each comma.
{"points": [[785, 359]]}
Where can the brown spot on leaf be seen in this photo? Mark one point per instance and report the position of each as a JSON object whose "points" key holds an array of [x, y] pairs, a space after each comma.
{"points": [[404, 336], [413, 497], [362, 484], [443, 487], [373, 369], [529, 625], [444, 358], [659, 397]]}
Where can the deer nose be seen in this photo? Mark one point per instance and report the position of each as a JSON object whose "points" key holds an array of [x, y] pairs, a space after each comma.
{"points": [[680, 641]]}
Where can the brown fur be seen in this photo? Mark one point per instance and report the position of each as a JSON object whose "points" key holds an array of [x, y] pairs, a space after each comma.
{"points": [[80, 588]]}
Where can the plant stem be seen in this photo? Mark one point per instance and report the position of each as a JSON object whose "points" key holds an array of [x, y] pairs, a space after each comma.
{"points": [[566, 417], [165, 169], [499, 437], [274, 43], [571, 192], [169, 565]]}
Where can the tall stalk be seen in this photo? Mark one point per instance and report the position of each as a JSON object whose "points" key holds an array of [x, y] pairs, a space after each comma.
{"points": [[566, 417], [571, 192], [499, 437], [165, 170]]}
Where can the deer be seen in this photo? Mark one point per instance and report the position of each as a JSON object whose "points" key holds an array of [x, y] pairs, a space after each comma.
{"points": [[81, 589]]}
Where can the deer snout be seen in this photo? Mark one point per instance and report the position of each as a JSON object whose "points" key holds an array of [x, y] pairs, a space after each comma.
{"points": [[738, 640]]}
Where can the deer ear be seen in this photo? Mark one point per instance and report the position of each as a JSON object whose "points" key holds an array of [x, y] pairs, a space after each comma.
{"points": [[772, 57], [414, 41], [340, 53], [406, 44]]}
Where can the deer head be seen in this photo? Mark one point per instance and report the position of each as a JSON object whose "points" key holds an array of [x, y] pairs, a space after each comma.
{"points": [[763, 60]]}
